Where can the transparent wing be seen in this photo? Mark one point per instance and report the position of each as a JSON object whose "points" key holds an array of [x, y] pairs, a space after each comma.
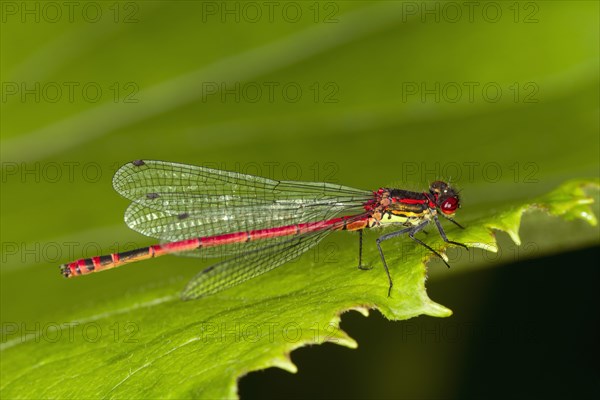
{"points": [[176, 201], [238, 269], [209, 188]]}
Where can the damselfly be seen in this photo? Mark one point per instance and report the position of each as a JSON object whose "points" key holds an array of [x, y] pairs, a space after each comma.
{"points": [[262, 223]]}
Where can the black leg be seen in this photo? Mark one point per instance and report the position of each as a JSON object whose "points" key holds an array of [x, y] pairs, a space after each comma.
{"points": [[360, 241], [412, 231], [416, 230], [443, 234], [453, 221], [386, 237], [411, 235]]}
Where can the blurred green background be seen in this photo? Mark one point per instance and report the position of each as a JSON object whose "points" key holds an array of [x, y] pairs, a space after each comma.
{"points": [[500, 97]]}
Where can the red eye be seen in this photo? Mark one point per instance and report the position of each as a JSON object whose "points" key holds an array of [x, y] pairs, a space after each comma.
{"points": [[449, 205]]}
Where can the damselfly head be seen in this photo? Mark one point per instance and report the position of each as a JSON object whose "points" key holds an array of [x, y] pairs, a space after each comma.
{"points": [[446, 198]]}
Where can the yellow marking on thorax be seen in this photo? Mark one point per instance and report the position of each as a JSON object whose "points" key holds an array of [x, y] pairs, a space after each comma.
{"points": [[405, 218]]}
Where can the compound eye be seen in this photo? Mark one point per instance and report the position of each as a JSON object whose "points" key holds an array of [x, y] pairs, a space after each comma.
{"points": [[449, 205]]}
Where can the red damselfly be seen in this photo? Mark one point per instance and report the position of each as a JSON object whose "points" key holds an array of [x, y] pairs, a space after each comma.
{"points": [[262, 223]]}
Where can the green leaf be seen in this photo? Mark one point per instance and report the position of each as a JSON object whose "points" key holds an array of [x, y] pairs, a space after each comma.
{"points": [[356, 124], [151, 344]]}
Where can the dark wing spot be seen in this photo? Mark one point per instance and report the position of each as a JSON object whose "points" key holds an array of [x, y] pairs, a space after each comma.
{"points": [[152, 196], [138, 163], [183, 215]]}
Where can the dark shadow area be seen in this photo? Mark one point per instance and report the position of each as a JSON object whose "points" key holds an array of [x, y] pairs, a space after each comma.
{"points": [[527, 330]]}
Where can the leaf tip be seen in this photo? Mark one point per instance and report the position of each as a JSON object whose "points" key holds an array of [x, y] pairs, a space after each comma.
{"points": [[361, 309], [342, 338], [514, 235], [436, 310], [285, 363]]}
